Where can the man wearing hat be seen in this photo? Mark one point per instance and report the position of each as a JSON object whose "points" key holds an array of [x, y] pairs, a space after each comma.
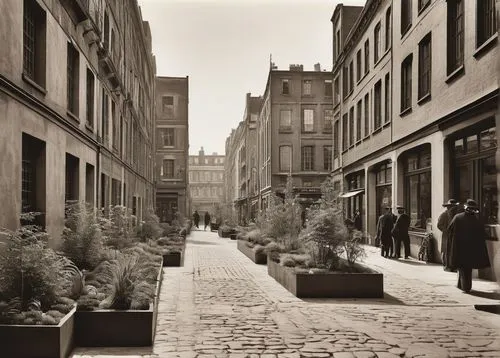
{"points": [[400, 232], [384, 227], [467, 246], [443, 221]]}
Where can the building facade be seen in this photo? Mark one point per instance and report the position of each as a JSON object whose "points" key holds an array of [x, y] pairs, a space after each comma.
{"points": [[76, 98], [206, 181], [286, 132], [172, 147], [433, 112]]}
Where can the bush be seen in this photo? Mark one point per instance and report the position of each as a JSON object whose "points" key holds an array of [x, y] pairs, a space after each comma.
{"points": [[295, 260], [82, 240], [118, 229], [150, 228], [29, 269]]}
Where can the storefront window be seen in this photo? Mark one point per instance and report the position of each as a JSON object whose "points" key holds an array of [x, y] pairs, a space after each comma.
{"points": [[475, 170], [383, 188], [459, 147], [355, 181], [418, 186]]}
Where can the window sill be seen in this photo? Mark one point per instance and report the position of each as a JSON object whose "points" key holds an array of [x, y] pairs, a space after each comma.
{"points": [[285, 131], [352, 146], [405, 112], [344, 151], [335, 105], [89, 127], [422, 9], [377, 131], [168, 146], [425, 98], [481, 50], [366, 137], [312, 132], [73, 116], [358, 142], [386, 124], [307, 96], [35, 85], [405, 31], [455, 74], [327, 131]]}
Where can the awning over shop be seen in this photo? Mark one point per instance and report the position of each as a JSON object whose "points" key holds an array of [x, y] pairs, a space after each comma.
{"points": [[351, 193]]}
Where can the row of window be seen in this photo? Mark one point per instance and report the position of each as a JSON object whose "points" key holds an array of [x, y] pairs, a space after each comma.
{"points": [[196, 160], [206, 192], [357, 125], [308, 120], [363, 59], [307, 88], [307, 156], [202, 176]]}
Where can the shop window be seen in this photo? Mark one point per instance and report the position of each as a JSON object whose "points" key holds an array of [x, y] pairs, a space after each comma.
{"points": [[383, 187], [475, 171], [355, 181], [418, 186]]}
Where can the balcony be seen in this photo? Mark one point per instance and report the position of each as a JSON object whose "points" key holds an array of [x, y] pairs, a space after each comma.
{"points": [[107, 61], [78, 10]]}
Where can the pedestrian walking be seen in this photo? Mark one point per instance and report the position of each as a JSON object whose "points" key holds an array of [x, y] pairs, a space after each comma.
{"points": [[357, 220], [400, 233], [444, 221], [384, 229], [207, 220], [467, 245], [196, 218]]}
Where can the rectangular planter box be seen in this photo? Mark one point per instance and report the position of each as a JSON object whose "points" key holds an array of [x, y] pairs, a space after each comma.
{"points": [[172, 259], [38, 341], [327, 285], [258, 258], [114, 328]]}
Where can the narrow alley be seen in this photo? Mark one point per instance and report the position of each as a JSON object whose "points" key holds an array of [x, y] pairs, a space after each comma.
{"points": [[220, 304]]}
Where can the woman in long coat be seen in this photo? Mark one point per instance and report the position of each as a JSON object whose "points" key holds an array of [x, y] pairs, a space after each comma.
{"points": [[444, 221], [467, 247]]}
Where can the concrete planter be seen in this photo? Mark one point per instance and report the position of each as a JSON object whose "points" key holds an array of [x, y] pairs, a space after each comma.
{"points": [[329, 284], [114, 328], [172, 259], [258, 258], [33, 341]]}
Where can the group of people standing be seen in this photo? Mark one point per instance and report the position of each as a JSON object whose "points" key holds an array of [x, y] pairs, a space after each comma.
{"points": [[391, 226], [196, 219], [463, 246]]}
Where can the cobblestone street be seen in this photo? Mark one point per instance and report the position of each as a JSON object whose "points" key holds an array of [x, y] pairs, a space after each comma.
{"points": [[220, 304]]}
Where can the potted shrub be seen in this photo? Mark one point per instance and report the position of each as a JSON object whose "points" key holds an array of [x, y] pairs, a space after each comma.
{"points": [[35, 286], [252, 244], [172, 249], [326, 264]]}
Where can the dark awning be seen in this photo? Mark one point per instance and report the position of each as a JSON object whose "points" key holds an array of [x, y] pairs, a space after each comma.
{"points": [[351, 193]]}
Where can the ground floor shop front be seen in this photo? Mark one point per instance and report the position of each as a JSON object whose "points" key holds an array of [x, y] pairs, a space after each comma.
{"points": [[454, 160]]}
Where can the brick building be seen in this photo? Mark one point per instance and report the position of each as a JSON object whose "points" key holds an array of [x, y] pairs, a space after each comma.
{"points": [[172, 147], [206, 181], [76, 102], [416, 95]]}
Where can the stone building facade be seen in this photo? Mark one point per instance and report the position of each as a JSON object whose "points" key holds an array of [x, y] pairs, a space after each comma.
{"points": [[76, 101], [172, 147], [206, 181], [285, 132], [432, 111]]}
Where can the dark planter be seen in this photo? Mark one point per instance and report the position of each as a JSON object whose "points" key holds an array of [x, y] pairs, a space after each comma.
{"points": [[225, 233], [329, 284], [258, 258], [38, 341], [233, 236], [172, 259], [488, 308], [114, 328], [214, 226]]}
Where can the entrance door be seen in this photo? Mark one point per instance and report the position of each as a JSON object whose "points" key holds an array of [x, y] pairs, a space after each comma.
{"points": [[166, 209]]}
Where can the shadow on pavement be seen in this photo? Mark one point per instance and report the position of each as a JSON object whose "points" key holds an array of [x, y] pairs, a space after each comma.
{"points": [[488, 308], [495, 295], [196, 242], [118, 351], [387, 300]]}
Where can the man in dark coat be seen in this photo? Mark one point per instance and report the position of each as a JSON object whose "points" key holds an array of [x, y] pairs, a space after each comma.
{"points": [[384, 228], [357, 220], [207, 220], [400, 233], [444, 221], [196, 218], [467, 247]]}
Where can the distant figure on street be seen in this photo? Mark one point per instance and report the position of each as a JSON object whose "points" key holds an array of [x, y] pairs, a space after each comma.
{"points": [[357, 220], [384, 228], [207, 220], [400, 233], [196, 218], [444, 221], [467, 246]]}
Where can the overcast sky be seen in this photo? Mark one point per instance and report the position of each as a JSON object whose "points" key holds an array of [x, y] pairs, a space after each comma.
{"points": [[224, 47]]}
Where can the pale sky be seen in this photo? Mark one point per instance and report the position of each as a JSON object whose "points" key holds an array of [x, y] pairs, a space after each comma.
{"points": [[224, 47]]}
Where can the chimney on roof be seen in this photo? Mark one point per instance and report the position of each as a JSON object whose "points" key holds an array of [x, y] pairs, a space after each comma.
{"points": [[296, 68], [201, 153], [317, 67]]}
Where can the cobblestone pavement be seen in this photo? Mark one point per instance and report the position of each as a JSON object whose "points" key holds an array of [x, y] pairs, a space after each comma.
{"points": [[220, 304]]}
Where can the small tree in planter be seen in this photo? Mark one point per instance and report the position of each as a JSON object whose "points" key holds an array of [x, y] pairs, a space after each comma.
{"points": [[150, 229], [118, 229]]}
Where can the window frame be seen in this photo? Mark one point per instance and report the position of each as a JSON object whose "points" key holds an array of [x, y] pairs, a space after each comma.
{"points": [[351, 127], [367, 56], [327, 157], [359, 112], [307, 87], [388, 28], [377, 105], [304, 118], [285, 166], [345, 133], [406, 16], [90, 98], [423, 4], [483, 21], [72, 79], [165, 168], [387, 98], [328, 88], [307, 153], [367, 115], [455, 35], [34, 44], [377, 43], [406, 84], [285, 84], [359, 64], [281, 126], [168, 133], [425, 66], [327, 123]]}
